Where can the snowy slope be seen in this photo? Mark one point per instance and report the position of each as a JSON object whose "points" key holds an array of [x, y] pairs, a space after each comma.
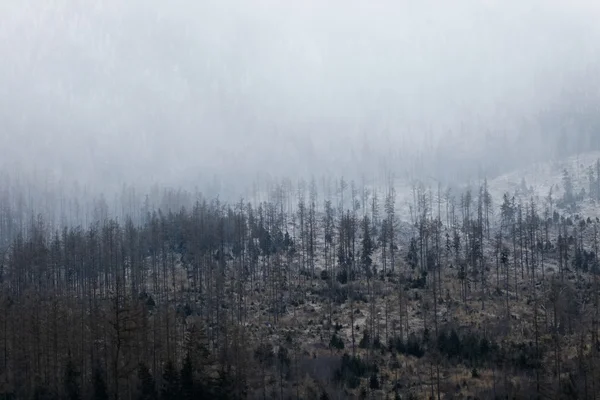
{"points": [[541, 177]]}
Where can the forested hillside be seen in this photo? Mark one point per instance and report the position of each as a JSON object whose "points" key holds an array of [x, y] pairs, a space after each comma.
{"points": [[267, 199], [319, 290]]}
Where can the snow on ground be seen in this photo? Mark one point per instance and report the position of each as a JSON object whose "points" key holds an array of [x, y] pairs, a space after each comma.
{"points": [[539, 178]]}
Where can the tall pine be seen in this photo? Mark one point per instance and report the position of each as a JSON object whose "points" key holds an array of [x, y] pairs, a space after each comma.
{"points": [[147, 386], [170, 385]]}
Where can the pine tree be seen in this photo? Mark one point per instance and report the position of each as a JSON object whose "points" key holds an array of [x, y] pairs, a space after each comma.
{"points": [[412, 257], [506, 212], [488, 203], [224, 389], [374, 382], [72, 389], [188, 386], [147, 386], [390, 224], [99, 384], [170, 386], [42, 393], [598, 179], [265, 357], [568, 187], [367, 246]]}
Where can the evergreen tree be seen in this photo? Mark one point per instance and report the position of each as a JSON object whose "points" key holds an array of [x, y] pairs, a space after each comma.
{"points": [[188, 386], [374, 382], [568, 187], [224, 388], [147, 386], [265, 357], [598, 180], [99, 384], [170, 385], [367, 246], [72, 389], [507, 212], [43, 393], [412, 257], [390, 224]]}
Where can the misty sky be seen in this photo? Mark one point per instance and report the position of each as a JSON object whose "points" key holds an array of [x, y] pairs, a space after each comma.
{"points": [[136, 90]]}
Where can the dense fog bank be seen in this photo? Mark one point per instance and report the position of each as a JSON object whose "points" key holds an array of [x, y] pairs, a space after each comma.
{"points": [[181, 92]]}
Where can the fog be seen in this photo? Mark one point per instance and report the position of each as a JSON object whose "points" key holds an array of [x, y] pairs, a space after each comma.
{"points": [[179, 92]]}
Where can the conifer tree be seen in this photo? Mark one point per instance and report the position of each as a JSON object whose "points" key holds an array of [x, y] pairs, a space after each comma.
{"points": [[367, 246], [72, 388], [188, 385], [170, 384], [99, 385]]}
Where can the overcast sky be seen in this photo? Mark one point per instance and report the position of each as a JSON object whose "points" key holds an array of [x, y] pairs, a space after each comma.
{"points": [[113, 90]]}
